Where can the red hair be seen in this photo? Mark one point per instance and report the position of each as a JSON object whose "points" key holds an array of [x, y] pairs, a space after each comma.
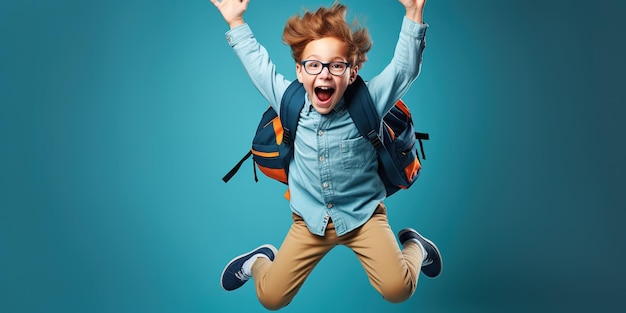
{"points": [[327, 22]]}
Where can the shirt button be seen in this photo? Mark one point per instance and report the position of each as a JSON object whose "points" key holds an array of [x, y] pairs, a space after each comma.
{"points": [[325, 185], [322, 158], [321, 132], [329, 205]]}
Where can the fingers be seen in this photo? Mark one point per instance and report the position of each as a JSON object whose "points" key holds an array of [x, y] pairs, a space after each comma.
{"points": [[232, 10], [217, 3], [220, 4]]}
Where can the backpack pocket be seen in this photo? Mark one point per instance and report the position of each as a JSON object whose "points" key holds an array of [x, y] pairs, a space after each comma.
{"points": [[268, 151], [269, 160]]}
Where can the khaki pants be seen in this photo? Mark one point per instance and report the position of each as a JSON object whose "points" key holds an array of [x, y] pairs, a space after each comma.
{"points": [[392, 272]]}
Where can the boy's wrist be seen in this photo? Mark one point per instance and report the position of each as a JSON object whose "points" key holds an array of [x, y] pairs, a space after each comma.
{"points": [[416, 14], [236, 23]]}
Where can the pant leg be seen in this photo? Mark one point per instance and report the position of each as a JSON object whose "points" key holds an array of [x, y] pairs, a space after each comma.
{"points": [[279, 281], [392, 272]]}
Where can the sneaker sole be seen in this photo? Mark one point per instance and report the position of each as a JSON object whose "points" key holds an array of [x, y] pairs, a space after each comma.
{"points": [[271, 247], [408, 230]]}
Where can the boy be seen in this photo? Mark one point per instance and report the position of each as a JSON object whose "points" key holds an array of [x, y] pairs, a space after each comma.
{"points": [[336, 195]]}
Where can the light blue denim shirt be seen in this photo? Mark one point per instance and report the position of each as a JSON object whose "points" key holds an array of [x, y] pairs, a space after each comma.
{"points": [[333, 174]]}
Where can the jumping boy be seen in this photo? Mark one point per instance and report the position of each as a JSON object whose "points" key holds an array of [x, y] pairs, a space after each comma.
{"points": [[336, 195]]}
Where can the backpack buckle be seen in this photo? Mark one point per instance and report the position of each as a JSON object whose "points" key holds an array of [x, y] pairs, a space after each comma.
{"points": [[286, 136], [374, 139]]}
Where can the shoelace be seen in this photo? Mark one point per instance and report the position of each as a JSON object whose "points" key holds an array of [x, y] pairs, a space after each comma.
{"points": [[427, 261], [241, 275]]}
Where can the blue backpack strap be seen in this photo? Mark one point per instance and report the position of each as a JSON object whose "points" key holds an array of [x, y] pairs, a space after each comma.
{"points": [[364, 114], [290, 107], [368, 122]]}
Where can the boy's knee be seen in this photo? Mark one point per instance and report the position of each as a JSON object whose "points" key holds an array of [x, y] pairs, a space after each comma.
{"points": [[397, 293], [272, 303]]}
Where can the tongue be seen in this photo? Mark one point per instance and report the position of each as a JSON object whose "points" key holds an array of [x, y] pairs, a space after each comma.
{"points": [[324, 95]]}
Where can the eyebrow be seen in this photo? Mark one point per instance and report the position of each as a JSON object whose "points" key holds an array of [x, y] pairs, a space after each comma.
{"points": [[335, 59]]}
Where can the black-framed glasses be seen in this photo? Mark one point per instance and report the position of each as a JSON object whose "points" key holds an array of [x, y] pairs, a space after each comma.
{"points": [[314, 67]]}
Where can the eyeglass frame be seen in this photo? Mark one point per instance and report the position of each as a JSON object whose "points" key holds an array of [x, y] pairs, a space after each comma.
{"points": [[327, 65]]}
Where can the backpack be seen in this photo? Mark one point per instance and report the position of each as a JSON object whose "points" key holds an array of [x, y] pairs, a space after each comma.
{"points": [[399, 165]]}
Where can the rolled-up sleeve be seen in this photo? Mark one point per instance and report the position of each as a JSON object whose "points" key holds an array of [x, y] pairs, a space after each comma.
{"points": [[258, 65], [396, 79]]}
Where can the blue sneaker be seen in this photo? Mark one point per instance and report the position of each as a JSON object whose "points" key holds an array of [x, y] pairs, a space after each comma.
{"points": [[431, 266], [235, 275]]}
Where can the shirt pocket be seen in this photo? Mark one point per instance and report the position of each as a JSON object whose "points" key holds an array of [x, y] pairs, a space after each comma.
{"points": [[356, 153]]}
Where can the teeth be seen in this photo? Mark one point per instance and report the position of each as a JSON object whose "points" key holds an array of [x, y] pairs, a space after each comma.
{"points": [[324, 88]]}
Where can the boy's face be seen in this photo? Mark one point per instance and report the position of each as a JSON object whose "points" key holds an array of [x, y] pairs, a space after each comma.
{"points": [[325, 89]]}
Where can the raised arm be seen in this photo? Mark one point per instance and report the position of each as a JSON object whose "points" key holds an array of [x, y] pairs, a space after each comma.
{"points": [[414, 9], [232, 11], [254, 57], [396, 79]]}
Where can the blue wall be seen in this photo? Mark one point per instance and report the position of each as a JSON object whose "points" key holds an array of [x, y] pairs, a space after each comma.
{"points": [[113, 116]]}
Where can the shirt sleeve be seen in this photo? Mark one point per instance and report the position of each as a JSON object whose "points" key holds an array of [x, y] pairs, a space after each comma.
{"points": [[258, 65], [395, 80]]}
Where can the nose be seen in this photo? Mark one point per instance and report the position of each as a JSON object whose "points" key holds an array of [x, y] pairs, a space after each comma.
{"points": [[326, 73]]}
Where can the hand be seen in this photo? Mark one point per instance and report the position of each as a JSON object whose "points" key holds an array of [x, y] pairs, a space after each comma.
{"points": [[413, 3], [414, 9], [232, 10]]}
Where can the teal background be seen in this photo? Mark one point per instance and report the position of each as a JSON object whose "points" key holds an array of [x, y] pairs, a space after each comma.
{"points": [[119, 118]]}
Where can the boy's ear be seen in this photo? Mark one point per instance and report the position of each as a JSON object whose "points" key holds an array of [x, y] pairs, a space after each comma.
{"points": [[353, 74], [299, 72]]}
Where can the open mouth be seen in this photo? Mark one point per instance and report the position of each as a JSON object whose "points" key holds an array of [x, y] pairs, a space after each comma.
{"points": [[324, 93]]}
